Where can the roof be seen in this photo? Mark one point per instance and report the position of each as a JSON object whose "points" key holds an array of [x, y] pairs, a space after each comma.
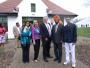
{"points": [[9, 6], [55, 9]]}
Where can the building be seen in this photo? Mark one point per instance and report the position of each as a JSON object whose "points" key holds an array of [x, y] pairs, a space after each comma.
{"points": [[12, 11]]}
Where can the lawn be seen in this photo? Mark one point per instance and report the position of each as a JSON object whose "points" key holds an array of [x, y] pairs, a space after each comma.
{"points": [[85, 32]]}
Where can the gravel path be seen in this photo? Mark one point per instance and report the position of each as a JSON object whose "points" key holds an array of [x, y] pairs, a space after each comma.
{"points": [[17, 63], [12, 56], [83, 50], [6, 54]]}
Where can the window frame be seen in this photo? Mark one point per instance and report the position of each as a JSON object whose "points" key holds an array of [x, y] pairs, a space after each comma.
{"points": [[33, 7]]}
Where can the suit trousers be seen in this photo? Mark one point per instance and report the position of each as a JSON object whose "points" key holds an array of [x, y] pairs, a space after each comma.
{"points": [[25, 53], [58, 51], [36, 49], [46, 48], [70, 48]]}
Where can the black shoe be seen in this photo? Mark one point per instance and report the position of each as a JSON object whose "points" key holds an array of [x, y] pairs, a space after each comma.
{"points": [[55, 59], [45, 60], [49, 57], [59, 61], [27, 62], [24, 62]]}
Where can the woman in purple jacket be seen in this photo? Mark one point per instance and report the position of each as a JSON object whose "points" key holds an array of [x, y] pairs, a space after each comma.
{"points": [[36, 39]]}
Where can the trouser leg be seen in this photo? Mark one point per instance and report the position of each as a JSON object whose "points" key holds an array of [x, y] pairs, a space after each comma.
{"points": [[60, 52], [56, 50], [67, 52], [48, 47], [25, 53], [44, 44], [72, 47], [36, 48]]}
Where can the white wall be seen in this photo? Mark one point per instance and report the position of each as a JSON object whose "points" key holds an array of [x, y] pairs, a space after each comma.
{"points": [[11, 23], [25, 11], [25, 8]]}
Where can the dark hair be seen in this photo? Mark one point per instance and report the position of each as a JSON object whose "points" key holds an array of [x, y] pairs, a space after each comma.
{"points": [[26, 23], [38, 23], [17, 23]]}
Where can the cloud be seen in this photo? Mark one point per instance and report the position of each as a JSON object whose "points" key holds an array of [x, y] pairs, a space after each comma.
{"points": [[2, 1], [76, 6]]}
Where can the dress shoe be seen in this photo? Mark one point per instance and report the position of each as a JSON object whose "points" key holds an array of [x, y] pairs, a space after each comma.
{"points": [[55, 59], [49, 57], [26, 62], [67, 62], [59, 61], [45, 60], [73, 65]]}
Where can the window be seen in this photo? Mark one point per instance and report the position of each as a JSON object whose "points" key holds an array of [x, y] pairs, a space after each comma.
{"points": [[3, 20], [33, 7]]}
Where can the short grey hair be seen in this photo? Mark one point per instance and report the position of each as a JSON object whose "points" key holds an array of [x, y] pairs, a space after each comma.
{"points": [[45, 18]]}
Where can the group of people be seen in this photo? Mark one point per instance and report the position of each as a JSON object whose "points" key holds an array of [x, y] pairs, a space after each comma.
{"points": [[47, 33]]}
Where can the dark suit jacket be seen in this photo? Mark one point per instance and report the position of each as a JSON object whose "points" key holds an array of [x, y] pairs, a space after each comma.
{"points": [[57, 37], [43, 31], [70, 33]]}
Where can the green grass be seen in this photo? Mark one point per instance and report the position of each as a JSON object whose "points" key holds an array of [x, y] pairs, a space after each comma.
{"points": [[85, 32]]}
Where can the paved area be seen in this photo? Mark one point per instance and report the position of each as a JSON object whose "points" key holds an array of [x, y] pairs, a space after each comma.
{"points": [[17, 60]]}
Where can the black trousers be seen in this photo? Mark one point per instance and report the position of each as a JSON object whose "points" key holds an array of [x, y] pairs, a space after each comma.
{"points": [[49, 46], [58, 51], [46, 48], [25, 53], [36, 49]]}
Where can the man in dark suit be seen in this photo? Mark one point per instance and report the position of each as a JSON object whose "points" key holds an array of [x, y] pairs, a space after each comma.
{"points": [[70, 38], [45, 32], [57, 37]]}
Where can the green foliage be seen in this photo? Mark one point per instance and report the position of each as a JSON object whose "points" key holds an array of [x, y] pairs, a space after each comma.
{"points": [[85, 32]]}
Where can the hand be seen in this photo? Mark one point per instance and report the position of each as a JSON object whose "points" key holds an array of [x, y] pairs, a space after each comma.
{"points": [[46, 39], [17, 36], [34, 42], [63, 43], [73, 43]]}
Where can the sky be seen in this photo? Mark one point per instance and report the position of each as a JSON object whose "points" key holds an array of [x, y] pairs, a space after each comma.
{"points": [[2, 1], [76, 6]]}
